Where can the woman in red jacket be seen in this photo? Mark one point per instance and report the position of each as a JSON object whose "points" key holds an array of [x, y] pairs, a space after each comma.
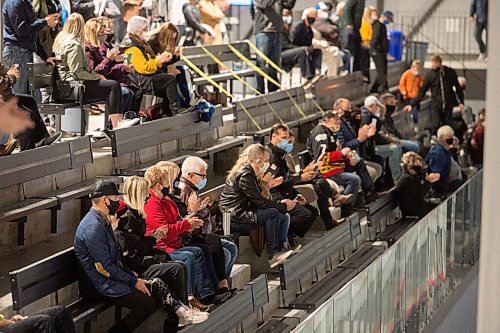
{"points": [[161, 210]]}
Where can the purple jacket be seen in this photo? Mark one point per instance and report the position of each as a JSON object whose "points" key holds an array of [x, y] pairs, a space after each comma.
{"points": [[112, 70]]}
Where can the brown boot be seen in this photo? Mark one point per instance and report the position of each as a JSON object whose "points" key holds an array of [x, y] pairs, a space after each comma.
{"points": [[195, 303]]}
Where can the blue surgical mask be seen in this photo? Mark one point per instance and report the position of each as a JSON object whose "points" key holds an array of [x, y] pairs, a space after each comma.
{"points": [[201, 185], [287, 19], [289, 148], [283, 144], [386, 22]]}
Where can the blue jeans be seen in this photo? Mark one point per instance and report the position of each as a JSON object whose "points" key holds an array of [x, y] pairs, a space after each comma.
{"points": [[199, 276], [394, 153], [350, 182], [230, 254], [270, 44], [363, 174], [276, 228], [127, 96], [17, 55], [346, 60], [411, 145], [414, 113]]}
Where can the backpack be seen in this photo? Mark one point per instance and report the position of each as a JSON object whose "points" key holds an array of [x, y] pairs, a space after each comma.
{"points": [[185, 87], [205, 110]]}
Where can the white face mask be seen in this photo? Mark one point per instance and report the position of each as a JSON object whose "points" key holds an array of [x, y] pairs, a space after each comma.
{"points": [[374, 17], [323, 15], [287, 19], [415, 73], [265, 167]]}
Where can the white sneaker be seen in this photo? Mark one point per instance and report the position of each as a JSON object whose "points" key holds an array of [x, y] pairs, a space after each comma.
{"points": [[482, 57], [193, 316], [124, 123], [279, 258]]}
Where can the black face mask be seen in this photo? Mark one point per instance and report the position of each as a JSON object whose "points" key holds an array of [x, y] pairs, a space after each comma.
{"points": [[109, 38], [449, 141], [311, 20], [390, 108], [418, 169], [165, 191], [113, 207], [436, 69]]}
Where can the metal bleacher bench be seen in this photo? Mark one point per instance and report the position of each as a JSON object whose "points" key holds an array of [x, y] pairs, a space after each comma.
{"points": [[48, 276], [37, 163], [157, 132], [42, 75]]}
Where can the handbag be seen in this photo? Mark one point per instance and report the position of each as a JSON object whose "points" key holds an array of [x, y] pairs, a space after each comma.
{"points": [[153, 112], [68, 91]]}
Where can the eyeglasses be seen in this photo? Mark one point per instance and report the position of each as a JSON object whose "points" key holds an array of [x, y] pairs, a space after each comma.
{"points": [[200, 175]]}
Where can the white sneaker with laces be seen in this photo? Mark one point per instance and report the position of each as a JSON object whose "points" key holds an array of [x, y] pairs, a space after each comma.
{"points": [[124, 123], [193, 316]]}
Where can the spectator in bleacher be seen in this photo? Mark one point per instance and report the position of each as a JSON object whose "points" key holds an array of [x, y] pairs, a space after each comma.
{"points": [[193, 180], [68, 46], [308, 59], [160, 211], [477, 139], [88, 8], [379, 48], [242, 197], [42, 9], [100, 258], [327, 39], [381, 144], [479, 14], [193, 20], [323, 146], [211, 15], [350, 23], [348, 138], [193, 205], [303, 215], [164, 39], [20, 36], [267, 27], [414, 185], [130, 9], [140, 256], [52, 320], [446, 92], [106, 61], [410, 84], [366, 32], [325, 193], [389, 131], [149, 67], [440, 160]]}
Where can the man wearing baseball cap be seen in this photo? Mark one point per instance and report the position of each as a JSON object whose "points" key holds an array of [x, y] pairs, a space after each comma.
{"points": [[100, 257], [379, 48]]}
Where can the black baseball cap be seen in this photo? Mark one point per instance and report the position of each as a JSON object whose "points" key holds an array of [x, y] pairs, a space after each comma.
{"points": [[104, 188], [330, 115]]}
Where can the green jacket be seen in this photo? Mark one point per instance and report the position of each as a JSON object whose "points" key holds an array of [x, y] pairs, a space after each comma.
{"points": [[74, 65]]}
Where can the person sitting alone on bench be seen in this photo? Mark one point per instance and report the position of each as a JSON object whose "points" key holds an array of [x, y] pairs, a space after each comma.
{"points": [[52, 320], [242, 197], [413, 186], [30, 138]]}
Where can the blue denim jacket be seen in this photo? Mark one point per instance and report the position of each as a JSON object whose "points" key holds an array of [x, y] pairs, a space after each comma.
{"points": [[100, 257]]}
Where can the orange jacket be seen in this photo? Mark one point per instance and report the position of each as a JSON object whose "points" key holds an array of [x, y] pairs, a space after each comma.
{"points": [[409, 85]]}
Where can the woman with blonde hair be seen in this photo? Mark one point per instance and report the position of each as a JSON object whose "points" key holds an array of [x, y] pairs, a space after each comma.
{"points": [[162, 211], [108, 62], [413, 185], [140, 256], [164, 39], [68, 46], [369, 16]]}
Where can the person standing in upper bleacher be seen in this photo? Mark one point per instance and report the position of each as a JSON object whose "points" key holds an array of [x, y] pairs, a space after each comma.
{"points": [[366, 31], [379, 48], [479, 14], [267, 27], [350, 24], [409, 85], [212, 16], [20, 36]]}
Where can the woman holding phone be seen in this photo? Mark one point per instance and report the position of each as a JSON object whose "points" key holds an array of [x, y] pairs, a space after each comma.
{"points": [[107, 61]]}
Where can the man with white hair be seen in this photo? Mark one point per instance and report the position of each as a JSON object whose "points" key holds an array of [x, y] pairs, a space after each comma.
{"points": [[440, 160], [302, 35], [193, 180]]}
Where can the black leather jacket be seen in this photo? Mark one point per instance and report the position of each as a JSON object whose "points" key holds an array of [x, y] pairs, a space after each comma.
{"points": [[192, 16], [242, 197]]}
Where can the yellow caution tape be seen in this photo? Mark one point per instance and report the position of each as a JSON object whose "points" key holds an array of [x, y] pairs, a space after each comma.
{"points": [[239, 78], [264, 74], [263, 56], [218, 86], [318, 107]]}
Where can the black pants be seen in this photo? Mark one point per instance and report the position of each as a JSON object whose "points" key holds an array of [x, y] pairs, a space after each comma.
{"points": [[354, 45], [165, 86], [365, 62], [308, 63], [29, 138], [362, 172], [174, 274], [217, 251], [142, 306], [324, 192], [380, 60], [301, 219], [445, 115], [478, 35], [52, 320], [104, 90]]}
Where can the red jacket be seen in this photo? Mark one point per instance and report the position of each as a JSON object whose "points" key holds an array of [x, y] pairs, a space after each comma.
{"points": [[161, 212], [333, 163]]}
